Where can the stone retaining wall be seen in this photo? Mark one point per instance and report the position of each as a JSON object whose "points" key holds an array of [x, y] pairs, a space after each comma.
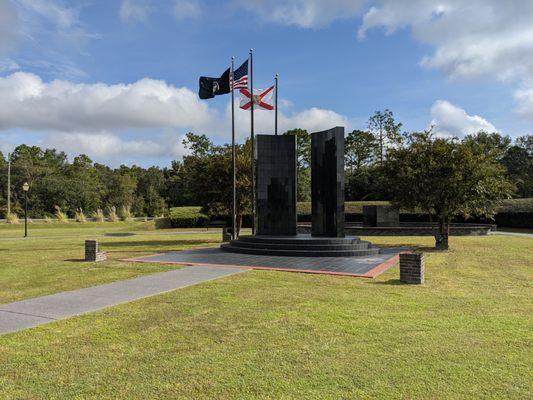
{"points": [[457, 230]]}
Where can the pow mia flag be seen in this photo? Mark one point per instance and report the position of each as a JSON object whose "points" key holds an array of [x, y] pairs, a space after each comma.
{"points": [[211, 87]]}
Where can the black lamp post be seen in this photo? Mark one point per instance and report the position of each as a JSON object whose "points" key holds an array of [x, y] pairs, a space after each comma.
{"points": [[25, 187]]}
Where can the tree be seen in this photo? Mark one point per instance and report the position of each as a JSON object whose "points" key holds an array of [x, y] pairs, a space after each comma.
{"points": [[150, 187], [122, 191], [3, 184], [519, 163], [303, 162], [447, 178], [492, 143], [209, 175], [85, 189], [200, 145], [360, 148], [386, 132]]}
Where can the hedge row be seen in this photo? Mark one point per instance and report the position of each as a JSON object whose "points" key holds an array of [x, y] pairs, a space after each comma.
{"points": [[514, 213], [187, 217]]}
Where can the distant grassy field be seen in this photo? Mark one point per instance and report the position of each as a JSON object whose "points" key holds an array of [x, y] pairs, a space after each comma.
{"points": [[466, 333]]}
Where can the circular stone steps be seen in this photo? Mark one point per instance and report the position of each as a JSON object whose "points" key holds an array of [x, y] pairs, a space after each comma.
{"points": [[301, 245]]}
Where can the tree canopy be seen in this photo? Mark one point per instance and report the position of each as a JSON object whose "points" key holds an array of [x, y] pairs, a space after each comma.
{"points": [[447, 178]]}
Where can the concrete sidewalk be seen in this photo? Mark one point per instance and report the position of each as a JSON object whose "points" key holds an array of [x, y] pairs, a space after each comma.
{"points": [[41, 310], [504, 233]]}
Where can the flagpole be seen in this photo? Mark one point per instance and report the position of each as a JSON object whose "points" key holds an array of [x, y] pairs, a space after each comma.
{"points": [[233, 161], [252, 137], [276, 115], [8, 185]]}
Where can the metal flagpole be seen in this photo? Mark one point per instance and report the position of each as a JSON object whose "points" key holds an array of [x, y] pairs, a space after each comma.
{"points": [[276, 110], [234, 201], [252, 137], [8, 185]]}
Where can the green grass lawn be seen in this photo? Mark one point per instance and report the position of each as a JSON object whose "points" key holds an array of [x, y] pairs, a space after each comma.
{"points": [[50, 260], [466, 333]]}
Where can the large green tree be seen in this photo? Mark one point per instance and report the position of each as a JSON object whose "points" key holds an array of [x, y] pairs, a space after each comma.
{"points": [[447, 178], [3, 184], [386, 132], [303, 163], [519, 163], [360, 149], [209, 175]]}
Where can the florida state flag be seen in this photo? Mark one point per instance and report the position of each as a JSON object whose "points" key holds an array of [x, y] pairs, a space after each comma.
{"points": [[262, 99]]}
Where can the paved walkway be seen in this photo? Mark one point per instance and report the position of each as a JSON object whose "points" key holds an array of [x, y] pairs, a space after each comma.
{"points": [[504, 233], [41, 310], [366, 267]]}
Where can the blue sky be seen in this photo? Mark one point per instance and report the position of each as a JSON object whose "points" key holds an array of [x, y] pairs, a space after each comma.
{"points": [[117, 80]]}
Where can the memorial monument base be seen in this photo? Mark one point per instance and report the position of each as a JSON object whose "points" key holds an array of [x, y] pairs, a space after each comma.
{"points": [[301, 245]]}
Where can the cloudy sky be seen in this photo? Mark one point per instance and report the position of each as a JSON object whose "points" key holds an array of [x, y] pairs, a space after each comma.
{"points": [[118, 79]]}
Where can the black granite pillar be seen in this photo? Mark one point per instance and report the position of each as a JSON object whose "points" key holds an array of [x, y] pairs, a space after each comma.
{"points": [[276, 185], [327, 182]]}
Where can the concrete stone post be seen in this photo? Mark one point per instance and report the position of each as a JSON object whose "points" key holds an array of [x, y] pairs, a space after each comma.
{"points": [[92, 253], [412, 268]]}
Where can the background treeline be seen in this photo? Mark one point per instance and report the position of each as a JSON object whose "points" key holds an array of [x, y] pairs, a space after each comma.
{"points": [[203, 177]]}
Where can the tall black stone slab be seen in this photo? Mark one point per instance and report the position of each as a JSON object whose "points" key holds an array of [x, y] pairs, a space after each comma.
{"points": [[276, 185], [327, 182]]}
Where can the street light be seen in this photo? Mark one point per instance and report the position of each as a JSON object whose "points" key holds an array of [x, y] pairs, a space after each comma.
{"points": [[25, 187]]}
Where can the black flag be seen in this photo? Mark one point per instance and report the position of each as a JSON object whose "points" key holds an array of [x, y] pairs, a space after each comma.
{"points": [[211, 87]]}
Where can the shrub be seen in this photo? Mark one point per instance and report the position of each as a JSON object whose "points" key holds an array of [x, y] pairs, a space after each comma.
{"points": [[47, 220], [188, 217], [80, 216], [125, 213], [112, 214], [162, 223], [60, 215], [12, 219], [98, 215]]}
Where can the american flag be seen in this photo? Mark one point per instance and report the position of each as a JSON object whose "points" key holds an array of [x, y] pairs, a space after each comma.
{"points": [[239, 80]]}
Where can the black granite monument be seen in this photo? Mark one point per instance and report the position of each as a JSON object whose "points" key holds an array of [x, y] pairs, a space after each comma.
{"points": [[276, 184], [327, 182]]}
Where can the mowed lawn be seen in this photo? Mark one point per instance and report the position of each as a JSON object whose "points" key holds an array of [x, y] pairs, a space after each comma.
{"points": [[466, 333], [50, 260]]}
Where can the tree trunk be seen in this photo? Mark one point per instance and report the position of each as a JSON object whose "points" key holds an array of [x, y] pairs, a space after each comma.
{"points": [[441, 238], [238, 224]]}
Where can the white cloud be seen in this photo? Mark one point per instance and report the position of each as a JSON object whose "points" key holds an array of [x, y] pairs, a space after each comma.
{"points": [[43, 32], [94, 118], [8, 27], [303, 13], [451, 120], [30, 103], [525, 101], [59, 15], [134, 10], [476, 38], [8, 64], [313, 119], [106, 145], [184, 9]]}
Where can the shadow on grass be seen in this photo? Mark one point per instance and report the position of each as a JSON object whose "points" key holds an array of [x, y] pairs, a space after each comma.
{"points": [[394, 282], [155, 243], [410, 247]]}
